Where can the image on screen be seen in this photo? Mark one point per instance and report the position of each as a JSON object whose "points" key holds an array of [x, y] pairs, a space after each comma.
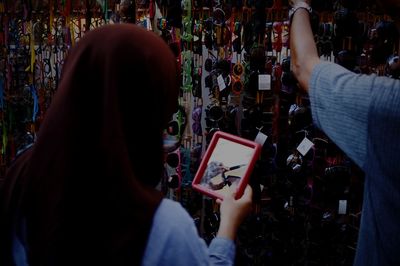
{"points": [[226, 166]]}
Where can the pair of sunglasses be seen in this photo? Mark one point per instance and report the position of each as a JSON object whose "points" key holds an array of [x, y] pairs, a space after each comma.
{"points": [[277, 36], [320, 151], [173, 133], [178, 123], [214, 113], [173, 169], [237, 72]]}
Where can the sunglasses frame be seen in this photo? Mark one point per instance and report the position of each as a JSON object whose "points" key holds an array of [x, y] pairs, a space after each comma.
{"points": [[173, 171]]}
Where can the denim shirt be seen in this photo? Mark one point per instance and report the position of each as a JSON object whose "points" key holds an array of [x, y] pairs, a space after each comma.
{"points": [[173, 240], [361, 114]]}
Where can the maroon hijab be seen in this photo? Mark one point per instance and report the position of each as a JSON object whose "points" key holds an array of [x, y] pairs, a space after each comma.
{"points": [[86, 188]]}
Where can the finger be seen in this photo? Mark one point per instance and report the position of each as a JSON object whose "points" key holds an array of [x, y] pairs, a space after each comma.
{"points": [[219, 201], [248, 193], [231, 194]]}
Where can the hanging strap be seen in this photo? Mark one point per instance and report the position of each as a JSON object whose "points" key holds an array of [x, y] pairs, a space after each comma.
{"points": [[35, 102], [152, 9], [51, 21], [32, 46], [105, 6]]}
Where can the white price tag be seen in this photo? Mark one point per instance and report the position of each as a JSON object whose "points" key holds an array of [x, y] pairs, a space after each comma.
{"points": [[342, 207], [261, 138], [264, 82], [305, 146], [221, 83]]}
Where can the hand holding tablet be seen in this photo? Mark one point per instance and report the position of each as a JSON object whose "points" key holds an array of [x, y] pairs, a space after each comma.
{"points": [[228, 161]]}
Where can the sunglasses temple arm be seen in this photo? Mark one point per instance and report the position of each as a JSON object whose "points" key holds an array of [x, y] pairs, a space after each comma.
{"points": [[236, 167]]}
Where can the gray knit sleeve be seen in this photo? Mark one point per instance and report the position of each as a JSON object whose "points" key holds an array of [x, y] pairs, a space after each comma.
{"points": [[340, 104]]}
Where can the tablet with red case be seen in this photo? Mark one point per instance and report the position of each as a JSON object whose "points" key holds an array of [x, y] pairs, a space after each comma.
{"points": [[228, 160]]}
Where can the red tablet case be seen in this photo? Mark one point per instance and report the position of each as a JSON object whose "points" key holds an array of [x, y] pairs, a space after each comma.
{"points": [[196, 184]]}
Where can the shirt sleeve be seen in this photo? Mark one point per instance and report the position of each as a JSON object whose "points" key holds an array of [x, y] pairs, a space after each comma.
{"points": [[340, 104], [174, 240]]}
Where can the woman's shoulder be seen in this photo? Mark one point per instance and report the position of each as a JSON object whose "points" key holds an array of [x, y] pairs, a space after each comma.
{"points": [[174, 239], [172, 213]]}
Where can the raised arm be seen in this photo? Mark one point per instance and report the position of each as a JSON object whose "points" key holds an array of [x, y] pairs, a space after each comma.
{"points": [[304, 55]]}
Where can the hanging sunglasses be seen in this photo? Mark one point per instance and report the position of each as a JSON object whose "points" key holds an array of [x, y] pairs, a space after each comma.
{"points": [[238, 69], [277, 71], [173, 169], [393, 67], [210, 81], [208, 65], [237, 38], [337, 170], [294, 161], [174, 131], [214, 112], [196, 117], [277, 36], [268, 36], [173, 181], [218, 16], [237, 85], [211, 63], [197, 36], [197, 74], [177, 125], [318, 162], [173, 159], [208, 36], [285, 33]]}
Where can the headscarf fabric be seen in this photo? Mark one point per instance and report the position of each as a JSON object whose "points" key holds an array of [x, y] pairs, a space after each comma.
{"points": [[86, 188]]}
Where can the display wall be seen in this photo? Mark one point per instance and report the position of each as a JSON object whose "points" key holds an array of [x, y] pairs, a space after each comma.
{"points": [[235, 77]]}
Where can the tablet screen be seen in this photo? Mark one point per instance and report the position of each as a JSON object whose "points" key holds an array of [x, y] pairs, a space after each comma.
{"points": [[228, 160]]}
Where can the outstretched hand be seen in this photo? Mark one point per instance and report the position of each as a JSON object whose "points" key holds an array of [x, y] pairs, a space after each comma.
{"points": [[233, 211]]}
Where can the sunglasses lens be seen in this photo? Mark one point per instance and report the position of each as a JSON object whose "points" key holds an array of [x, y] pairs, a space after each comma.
{"points": [[208, 65], [173, 181], [173, 160], [216, 113], [173, 128], [237, 87], [238, 70]]}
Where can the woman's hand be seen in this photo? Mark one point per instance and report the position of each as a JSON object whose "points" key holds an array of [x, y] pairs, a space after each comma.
{"points": [[233, 211]]}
